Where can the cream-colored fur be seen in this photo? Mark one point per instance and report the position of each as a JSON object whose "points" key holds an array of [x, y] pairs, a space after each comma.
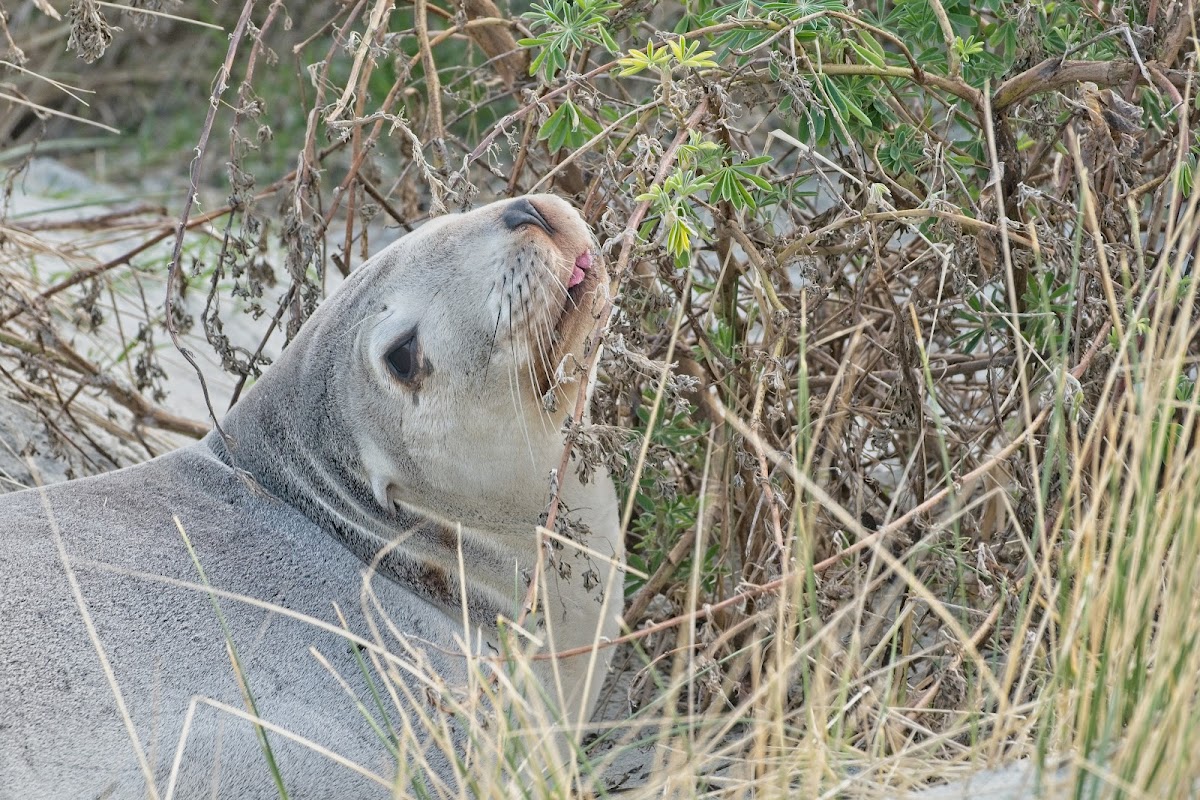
{"points": [[330, 465]]}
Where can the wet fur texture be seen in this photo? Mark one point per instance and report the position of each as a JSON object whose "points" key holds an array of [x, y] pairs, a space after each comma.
{"points": [[330, 464]]}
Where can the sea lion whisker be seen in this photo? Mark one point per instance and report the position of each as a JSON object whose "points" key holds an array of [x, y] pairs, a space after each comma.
{"points": [[538, 347], [491, 347], [541, 331], [372, 318], [554, 273], [535, 366], [515, 382]]}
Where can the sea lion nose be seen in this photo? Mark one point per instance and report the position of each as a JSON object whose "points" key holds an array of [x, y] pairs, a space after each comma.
{"points": [[521, 212]]}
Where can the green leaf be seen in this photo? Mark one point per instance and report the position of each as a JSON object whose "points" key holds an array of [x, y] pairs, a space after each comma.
{"points": [[554, 129], [567, 126], [855, 110], [869, 56], [679, 237], [1184, 176], [610, 44], [568, 25], [760, 182]]}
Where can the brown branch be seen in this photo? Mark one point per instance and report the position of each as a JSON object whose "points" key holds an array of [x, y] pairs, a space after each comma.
{"points": [[628, 237], [142, 409], [1179, 27], [219, 86], [1054, 74], [952, 65], [510, 60], [434, 126], [958, 88], [168, 228]]}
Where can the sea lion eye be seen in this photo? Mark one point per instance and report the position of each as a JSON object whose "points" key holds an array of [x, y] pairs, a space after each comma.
{"points": [[402, 358]]}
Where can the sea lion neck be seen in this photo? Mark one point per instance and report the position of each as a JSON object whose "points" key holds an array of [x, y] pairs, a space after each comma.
{"points": [[290, 436], [288, 433]]}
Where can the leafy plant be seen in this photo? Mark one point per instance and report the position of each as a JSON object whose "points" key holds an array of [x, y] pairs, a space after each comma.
{"points": [[677, 53], [704, 167], [568, 127], [569, 25], [671, 202]]}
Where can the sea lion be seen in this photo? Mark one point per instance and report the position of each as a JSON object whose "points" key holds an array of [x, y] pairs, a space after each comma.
{"points": [[405, 430]]}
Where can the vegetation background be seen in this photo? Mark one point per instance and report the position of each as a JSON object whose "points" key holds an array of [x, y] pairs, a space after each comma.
{"points": [[899, 381]]}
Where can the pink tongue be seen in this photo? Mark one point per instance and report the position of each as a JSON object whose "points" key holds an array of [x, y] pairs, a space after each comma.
{"points": [[581, 265]]}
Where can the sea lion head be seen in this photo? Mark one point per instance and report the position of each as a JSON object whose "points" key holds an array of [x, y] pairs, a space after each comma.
{"points": [[445, 365], [498, 298], [408, 419]]}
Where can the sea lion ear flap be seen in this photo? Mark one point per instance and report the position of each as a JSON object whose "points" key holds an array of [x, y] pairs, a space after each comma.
{"points": [[379, 487]]}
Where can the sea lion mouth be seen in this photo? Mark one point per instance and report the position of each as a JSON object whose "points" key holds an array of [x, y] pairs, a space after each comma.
{"points": [[580, 291], [555, 284], [580, 284], [582, 264]]}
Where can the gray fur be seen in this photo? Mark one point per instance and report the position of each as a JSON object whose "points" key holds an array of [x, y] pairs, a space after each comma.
{"points": [[326, 465]]}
